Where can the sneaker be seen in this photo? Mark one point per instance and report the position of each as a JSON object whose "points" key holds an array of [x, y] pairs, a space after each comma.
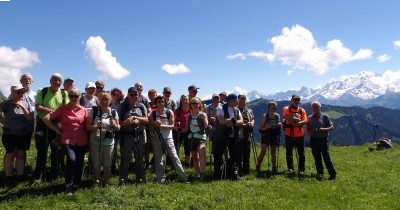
{"points": [[332, 178], [289, 171], [202, 176], [301, 173], [121, 182], [186, 181], [69, 189], [319, 177]]}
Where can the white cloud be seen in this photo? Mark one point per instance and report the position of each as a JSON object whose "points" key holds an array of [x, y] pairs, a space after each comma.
{"points": [[289, 72], [240, 56], [103, 59], [297, 48], [383, 58], [396, 44], [11, 63], [263, 55], [392, 79], [175, 69]]}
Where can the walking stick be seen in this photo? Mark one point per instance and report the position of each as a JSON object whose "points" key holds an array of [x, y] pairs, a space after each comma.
{"points": [[277, 158], [138, 158], [163, 145], [253, 146], [101, 129], [269, 151]]}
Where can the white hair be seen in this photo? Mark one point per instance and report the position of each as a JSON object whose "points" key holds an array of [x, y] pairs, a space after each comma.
{"points": [[316, 103]]}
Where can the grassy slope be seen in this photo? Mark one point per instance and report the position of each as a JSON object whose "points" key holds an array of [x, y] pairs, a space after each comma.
{"points": [[366, 180]]}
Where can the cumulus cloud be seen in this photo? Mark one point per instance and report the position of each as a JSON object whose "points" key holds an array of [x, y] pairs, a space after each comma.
{"points": [[103, 59], [383, 58], [396, 44], [11, 63], [392, 79], [297, 48], [175, 69], [240, 56]]}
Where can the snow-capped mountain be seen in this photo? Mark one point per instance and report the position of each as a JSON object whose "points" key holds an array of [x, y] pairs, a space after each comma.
{"points": [[362, 89]]}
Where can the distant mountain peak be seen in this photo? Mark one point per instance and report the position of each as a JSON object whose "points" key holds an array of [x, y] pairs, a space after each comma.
{"points": [[360, 89]]}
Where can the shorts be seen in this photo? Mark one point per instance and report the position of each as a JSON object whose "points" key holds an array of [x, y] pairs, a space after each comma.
{"points": [[270, 137], [103, 156], [14, 142], [195, 143]]}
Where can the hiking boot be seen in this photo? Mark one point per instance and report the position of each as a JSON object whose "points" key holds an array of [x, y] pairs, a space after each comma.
{"points": [[301, 173], [258, 170], [69, 189], [332, 178], [121, 182], [9, 183], [319, 177], [274, 170], [202, 176]]}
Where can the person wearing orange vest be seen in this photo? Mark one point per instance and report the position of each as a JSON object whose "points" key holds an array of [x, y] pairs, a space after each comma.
{"points": [[295, 119]]}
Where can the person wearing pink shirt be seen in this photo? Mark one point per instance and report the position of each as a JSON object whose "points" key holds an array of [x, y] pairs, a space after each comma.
{"points": [[74, 139]]}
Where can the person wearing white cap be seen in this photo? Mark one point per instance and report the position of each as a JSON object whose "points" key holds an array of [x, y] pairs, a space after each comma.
{"points": [[16, 136], [47, 100], [88, 99]]}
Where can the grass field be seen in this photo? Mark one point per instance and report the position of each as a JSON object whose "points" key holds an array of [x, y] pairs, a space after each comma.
{"points": [[366, 180]]}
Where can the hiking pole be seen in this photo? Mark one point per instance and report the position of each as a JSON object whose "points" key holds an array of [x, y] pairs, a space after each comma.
{"points": [[224, 164], [101, 129], [269, 152], [138, 159], [163, 145], [277, 158], [253, 146]]}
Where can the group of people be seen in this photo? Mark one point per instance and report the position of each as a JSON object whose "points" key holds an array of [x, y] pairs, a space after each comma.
{"points": [[72, 123]]}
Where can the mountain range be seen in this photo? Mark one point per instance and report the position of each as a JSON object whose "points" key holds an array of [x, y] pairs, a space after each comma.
{"points": [[365, 89], [353, 125]]}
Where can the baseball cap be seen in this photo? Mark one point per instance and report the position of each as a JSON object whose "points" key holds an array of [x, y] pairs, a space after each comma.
{"points": [[132, 89], [223, 93], [232, 96], [69, 79], [192, 87], [242, 96], [167, 89], [90, 84], [295, 96], [215, 95], [17, 87]]}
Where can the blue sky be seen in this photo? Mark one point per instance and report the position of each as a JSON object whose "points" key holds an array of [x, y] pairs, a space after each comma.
{"points": [[218, 45]]}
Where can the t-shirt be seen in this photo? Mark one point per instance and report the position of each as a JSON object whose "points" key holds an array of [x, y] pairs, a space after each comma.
{"points": [[14, 119], [231, 112], [52, 101], [166, 133], [272, 122], [73, 123], [182, 116], [105, 120], [316, 122], [133, 111]]}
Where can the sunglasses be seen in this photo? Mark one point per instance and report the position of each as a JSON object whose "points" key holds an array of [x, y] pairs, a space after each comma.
{"points": [[73, 96], [133, 94], [20, 92], [167, 92], [194, 91], [194, 103], [160, 102], [115, 94], [296, 99], [99, 88]]}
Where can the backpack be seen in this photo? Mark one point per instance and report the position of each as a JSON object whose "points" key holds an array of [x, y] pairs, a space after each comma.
{"points": [[284, 125], [200, 122], [125, 107], [44, 92], [167, 111], [96, 110]]}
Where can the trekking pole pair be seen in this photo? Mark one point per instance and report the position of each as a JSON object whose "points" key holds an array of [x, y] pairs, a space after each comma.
{"points": [[163, 145], [138, 156], [253, 146]]}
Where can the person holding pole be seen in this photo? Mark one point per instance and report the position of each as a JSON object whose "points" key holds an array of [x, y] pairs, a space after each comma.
{"points": [[270, 134], [162, 122], [102, 122], [133, 123]]}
